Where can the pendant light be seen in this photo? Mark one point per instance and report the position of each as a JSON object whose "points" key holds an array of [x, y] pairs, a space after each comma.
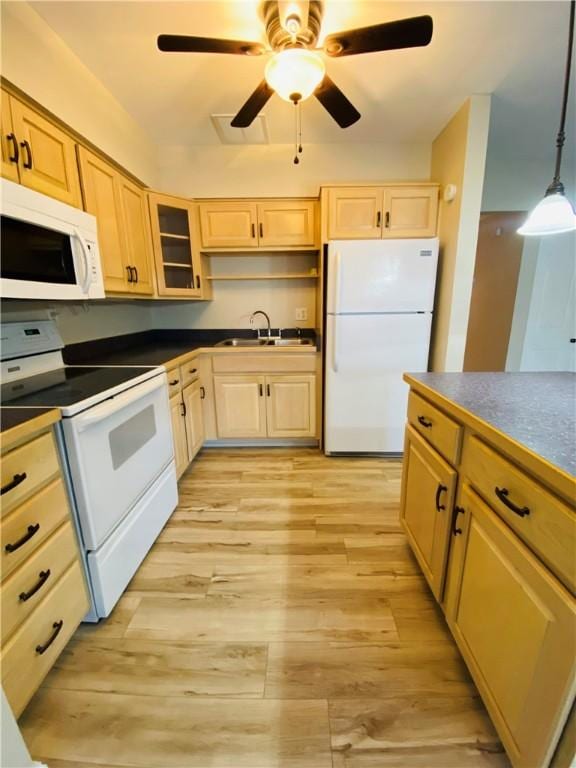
{"points": [[554, 213]]}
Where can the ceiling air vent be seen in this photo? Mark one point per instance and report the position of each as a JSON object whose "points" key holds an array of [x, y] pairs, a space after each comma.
{"points": [[256, 133]]}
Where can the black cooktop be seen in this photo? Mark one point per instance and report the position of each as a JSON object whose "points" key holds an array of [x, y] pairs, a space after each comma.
{"points": [[66, 386]]}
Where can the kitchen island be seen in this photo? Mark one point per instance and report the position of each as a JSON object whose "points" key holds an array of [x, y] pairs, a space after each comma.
{"points": [[488, 494]]}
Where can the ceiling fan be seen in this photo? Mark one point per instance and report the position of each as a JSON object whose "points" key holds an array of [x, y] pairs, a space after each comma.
{"points": [[295, 70]]}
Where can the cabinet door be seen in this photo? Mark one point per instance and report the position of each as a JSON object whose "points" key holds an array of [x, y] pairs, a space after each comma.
{"points": [[410, 211], [175, 254], [291, 406], [136, 225], [194, 418], [289, 223], [102, 199], [228, 224], [516, 627], [9, 143], [428, 488], [179, 434], [240, 406], [47, 155], [355, 213]]}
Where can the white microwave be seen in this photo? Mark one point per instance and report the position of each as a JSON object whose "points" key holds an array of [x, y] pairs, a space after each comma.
{"points": [[49, 249]]}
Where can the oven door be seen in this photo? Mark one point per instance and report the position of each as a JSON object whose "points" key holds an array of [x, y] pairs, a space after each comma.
{"points": [[116, 450]]}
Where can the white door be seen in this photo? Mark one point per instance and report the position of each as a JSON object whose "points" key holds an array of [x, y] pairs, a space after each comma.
{"points": [[366, 398], [116, 450], [552, 314], [376, 276]]}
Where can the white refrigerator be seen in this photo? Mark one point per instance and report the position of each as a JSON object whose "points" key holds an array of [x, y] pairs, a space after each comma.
{"points": [[380, 297]]}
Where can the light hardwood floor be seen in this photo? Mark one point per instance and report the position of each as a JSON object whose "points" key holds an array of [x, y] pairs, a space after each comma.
{"points": [[280, 621]]}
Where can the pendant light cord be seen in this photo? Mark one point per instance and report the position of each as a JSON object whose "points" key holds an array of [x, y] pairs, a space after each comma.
{"points": [[556, 186]]}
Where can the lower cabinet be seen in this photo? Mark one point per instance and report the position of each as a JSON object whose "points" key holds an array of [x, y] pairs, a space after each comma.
{"points": [[260, 406], [194, 421], [516, 628], [179, 434], [186, 415], [428, 490]]}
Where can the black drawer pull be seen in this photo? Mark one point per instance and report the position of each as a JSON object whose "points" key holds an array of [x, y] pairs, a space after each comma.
{"points": [[260, 390], [202, 393], [32, 529], [15, 156], [43, 577], [503, 495], [57, 626], [268, 389], [441, 488], [193, 370], [455, 530], [14, 483], [424, 421], [173, 382]]}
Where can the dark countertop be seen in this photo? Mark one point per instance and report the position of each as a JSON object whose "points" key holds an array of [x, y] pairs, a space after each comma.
{"points": [[15, 417], [156, 347], [537, 410]]}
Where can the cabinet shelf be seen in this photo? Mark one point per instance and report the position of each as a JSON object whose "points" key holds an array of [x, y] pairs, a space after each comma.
{"points": [[293, 276], [175, 237]]}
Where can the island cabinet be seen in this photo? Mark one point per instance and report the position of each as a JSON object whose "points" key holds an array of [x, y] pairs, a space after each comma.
{"points": [[404, 210], [43, 594], [494, 531]]}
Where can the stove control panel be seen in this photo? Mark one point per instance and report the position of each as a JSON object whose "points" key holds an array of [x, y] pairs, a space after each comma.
{"points": [[24, 339]]}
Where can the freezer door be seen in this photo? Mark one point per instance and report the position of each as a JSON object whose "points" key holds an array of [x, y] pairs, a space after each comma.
{"points": [[366, 398], [381, 275]]}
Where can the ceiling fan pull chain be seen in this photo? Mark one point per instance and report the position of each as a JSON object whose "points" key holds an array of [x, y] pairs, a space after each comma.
{"points": [[296, 158], [300, 127]]}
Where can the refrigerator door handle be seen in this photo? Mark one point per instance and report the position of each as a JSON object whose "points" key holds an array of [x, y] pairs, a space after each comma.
{"points": [[336, 283], [335, 344]]}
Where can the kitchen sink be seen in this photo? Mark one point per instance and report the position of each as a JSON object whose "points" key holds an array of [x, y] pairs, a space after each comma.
{"points": [[266, 343]]}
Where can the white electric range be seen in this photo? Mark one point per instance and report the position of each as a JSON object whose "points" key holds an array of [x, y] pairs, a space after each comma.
{"points": [[116, 444]]}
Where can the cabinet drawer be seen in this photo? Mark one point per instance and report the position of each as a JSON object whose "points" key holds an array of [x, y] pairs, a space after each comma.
{"points": [[174, 381], [264, 363], [27, 586], [23, 665], [189, 372], [544, 522], [439, 429], [33, 521], [26, 469]]}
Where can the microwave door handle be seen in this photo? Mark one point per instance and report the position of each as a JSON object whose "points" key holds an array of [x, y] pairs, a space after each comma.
{"points": [[108, 408], [86, 259]]}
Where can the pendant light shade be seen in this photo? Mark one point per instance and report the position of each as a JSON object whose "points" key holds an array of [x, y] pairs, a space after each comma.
{"points": [[555, 214], [295, 73]]}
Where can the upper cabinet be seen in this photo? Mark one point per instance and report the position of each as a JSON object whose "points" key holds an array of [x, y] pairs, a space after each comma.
{"points": [[381, 212], [123, 226], [37, 153], [174, 238], [242, 225]]}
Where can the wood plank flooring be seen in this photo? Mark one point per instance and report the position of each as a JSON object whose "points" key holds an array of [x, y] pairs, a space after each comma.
{"points": [[280, 621]]}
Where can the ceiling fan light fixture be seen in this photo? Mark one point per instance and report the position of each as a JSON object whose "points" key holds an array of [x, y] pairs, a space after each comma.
{"points": [[295, 73]]}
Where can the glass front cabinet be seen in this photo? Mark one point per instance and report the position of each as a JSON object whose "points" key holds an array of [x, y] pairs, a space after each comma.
{"points": [[174, 234]]}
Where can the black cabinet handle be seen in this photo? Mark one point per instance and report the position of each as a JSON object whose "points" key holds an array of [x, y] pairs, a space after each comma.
{"points": [[424, 421], [441, 488], [193, 370], [572, 341], [43, 577], [15, 156], [198, 282], [28, 162], [14, 483], [503, 495], [173, 382], [57, 626], [387, 220], [135, 274], [129, 270], [183, 411], [253, 227], [260, 390], [202, 393], [268, 389], [379, 219], [32, 529], [261, 227], [455, 530]]}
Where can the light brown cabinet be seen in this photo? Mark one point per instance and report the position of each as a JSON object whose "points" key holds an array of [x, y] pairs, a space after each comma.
{"points": [[123, 225], [516, 627], [192, 398], [381, 212], [179, 434], [240, 406], [266, 225], [291, 405], [37, 153], [186, 413], [428, 490]]}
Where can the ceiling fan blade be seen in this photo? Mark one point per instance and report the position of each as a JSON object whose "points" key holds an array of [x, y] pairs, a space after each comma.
{"points": [[334, 102], [406, 33], [256, 102], [188, 44]]}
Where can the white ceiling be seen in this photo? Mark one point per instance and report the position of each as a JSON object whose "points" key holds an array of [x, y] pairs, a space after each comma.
{"points": [[514, 49]]}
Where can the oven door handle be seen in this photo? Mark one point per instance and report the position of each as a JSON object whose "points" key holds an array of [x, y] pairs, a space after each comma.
{"points": [[85, 258], [109, 407]]}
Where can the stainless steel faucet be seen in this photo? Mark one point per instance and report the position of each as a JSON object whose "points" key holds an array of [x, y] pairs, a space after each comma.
{"points": [[261, 312]]}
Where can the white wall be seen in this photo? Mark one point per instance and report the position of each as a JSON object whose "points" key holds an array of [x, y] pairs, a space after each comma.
{"points": [[268, 170], [36, 60]]}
